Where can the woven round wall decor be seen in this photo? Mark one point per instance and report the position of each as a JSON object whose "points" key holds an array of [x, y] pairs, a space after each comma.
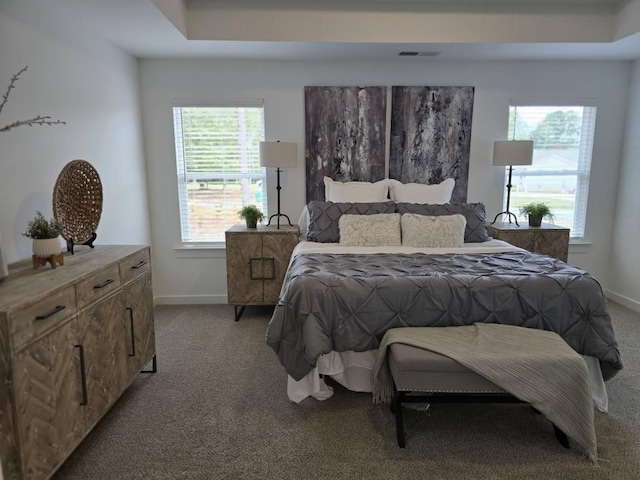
{"points": [[77, 202]]}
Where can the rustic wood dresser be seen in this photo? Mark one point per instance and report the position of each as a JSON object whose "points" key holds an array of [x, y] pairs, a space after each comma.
{"points": [[72, 339]]}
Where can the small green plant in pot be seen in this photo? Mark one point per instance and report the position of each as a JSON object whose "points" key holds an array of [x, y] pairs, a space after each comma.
{"points": [[41, 228], [536, 212], [252, 215], [45, 235]]}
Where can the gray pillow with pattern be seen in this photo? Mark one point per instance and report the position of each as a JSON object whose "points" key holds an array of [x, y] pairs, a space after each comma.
{"points": [[325, 216], [476, 229]]}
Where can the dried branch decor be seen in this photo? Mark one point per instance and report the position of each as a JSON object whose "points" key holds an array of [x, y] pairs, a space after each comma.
{"points": [[39, 120]]}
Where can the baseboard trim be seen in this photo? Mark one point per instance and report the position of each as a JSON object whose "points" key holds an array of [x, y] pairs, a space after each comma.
{"points": [[190, 299], [622, 300]]}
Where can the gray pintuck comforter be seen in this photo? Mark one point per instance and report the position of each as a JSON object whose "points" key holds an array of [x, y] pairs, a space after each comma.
{"points": [[333, 302]]}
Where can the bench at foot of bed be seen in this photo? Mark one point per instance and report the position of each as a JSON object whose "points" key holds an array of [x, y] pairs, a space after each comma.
{"points": [[424, 376]]}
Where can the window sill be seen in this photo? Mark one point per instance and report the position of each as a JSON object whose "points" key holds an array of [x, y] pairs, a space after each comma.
{"points": [[210, 250], [579, 245]]}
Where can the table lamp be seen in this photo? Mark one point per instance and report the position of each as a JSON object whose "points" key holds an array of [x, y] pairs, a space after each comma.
{"points": [[278, 155], [511, 152]]}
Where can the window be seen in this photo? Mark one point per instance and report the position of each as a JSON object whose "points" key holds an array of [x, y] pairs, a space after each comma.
{"points": [[559, 175], [219, 172]]}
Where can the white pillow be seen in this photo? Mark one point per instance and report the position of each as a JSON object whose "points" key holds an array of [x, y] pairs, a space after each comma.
{"points": [[427, 231], [419, 193], [355, 192], [370, 230]]}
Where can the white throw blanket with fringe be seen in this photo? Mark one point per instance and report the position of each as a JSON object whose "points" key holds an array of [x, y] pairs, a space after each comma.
{"points": [[535, 366]]}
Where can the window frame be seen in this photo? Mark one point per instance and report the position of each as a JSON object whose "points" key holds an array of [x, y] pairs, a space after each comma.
{"points": [[582, 172], [182, 179]]}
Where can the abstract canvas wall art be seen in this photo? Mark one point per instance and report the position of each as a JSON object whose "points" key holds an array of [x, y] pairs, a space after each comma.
{"points": [[345, 135], [431, 136]]}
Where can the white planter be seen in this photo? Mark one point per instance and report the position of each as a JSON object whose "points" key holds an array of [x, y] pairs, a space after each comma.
{"points": [[46, 247]]}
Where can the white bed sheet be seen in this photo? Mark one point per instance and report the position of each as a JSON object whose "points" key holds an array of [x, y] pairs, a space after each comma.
{"points": [[492, 246], [353, 369]]}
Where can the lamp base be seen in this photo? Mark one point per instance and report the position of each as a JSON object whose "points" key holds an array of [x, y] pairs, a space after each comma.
{"points": [[509, 215], [278, 215]]}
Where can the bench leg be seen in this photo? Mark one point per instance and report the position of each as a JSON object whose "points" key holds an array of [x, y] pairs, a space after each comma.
{"points": [[397, 409], [561, 436], [238, 313]]}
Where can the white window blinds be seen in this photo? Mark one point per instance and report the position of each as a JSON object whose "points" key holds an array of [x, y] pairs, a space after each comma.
{"points": [[559, 175], [218, 167]]}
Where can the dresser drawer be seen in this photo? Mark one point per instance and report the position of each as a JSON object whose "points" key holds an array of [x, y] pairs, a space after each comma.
{"points": [[29, 322], [135, 265], [98, 285]]}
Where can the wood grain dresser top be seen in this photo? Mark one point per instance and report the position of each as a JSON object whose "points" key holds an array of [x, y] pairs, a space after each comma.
{"points": [[28, 284], [263, 229], [525, 226]]}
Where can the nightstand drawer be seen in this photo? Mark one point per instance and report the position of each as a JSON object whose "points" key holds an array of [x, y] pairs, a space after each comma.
{"points": [[547, 239]]}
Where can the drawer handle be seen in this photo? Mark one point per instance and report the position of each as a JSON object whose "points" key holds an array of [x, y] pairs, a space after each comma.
{"points": [[140, 265], [57, 309], [273, 268], [83, 376], [108, 281], [133, 335], [254, 276]]}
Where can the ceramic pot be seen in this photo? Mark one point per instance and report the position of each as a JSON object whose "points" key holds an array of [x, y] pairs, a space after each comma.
{"points": [[535, 221], [252, 223], [46, 247]]}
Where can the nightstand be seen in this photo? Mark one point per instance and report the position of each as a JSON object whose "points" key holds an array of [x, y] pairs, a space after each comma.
{"points": [[546, 239], [257, 260]]}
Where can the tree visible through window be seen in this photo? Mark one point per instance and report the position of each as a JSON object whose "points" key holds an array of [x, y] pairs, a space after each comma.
{"points": [[559, 175], [218, 165]]}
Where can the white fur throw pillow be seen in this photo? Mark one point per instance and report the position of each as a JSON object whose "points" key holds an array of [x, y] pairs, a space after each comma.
{"points": [[418, 193], [427, 231], [370, 230]]}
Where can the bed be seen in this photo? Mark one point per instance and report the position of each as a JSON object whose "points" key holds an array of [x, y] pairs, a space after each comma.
{"points": [[339, 298]]}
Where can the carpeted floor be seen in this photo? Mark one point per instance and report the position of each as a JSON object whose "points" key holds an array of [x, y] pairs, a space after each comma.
{"points": [[217, 409]]}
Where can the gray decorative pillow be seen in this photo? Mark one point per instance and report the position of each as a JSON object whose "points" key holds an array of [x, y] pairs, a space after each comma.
{"points": [[325, 216], [476, 229]]}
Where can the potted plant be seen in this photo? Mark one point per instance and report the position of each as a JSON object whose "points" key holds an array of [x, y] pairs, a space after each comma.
{"points": [[536, 212], [45, 236], [252, 215]]}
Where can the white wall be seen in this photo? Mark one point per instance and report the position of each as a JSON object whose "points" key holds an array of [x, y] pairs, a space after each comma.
{"points": [[94, 88], [185, 277], [625, 255]]}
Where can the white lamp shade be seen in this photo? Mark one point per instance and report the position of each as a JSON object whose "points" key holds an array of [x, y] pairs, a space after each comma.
{"points": [[513, 152], [278, 154]]}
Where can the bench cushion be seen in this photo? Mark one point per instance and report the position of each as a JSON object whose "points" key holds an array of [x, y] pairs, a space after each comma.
{"points": [[417, 370]]}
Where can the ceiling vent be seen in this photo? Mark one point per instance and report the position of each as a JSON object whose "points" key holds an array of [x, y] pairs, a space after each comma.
{"points": [[418, 54]]}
